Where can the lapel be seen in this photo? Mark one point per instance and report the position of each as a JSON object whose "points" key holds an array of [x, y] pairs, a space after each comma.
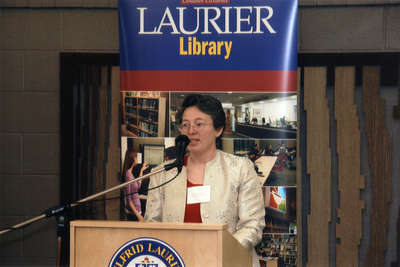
{"points": [[211, 179], [209, 174]]}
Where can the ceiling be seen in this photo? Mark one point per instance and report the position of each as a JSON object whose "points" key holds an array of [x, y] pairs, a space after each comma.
{"points": [[234, 98]]}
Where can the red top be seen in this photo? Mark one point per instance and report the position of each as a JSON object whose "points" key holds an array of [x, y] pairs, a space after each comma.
{"points": [[192, 211]]}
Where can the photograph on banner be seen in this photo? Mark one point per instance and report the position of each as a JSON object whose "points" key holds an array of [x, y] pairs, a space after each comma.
{"points": [[280, 209], [147, 153], [282, 154], [278, 249], [144, 113], [248, 115], [274, 159]]}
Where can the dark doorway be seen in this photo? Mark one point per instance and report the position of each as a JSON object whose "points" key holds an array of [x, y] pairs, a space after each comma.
{"points": [[85, 101]]}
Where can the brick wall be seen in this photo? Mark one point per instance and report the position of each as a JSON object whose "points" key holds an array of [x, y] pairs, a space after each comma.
{"points": [[349, 29], [30, 44]]}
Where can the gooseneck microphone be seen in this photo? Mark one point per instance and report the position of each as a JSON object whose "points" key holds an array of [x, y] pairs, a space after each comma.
{"points": [[181, 142]]}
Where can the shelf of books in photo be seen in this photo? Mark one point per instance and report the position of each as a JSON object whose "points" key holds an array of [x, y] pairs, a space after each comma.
{"points": [[144, 116], [280, 246]]}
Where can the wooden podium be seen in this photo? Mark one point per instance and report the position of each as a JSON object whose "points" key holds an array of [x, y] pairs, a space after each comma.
{"points": [[93, 243]]}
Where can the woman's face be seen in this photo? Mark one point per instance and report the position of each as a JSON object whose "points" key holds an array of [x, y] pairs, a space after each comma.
{"points": [[134, 160], [199, 127]]}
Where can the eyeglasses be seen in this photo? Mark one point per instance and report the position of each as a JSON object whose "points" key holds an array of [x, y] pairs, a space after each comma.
{"points": [[197, 126]]}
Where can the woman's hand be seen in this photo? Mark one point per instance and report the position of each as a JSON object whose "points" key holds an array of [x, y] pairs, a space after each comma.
{"points": [[144, 167], [135, 211], [140, 218]]}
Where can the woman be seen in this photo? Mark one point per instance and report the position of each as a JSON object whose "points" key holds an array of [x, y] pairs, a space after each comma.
{"points": [[234, 197], [132, 201]]}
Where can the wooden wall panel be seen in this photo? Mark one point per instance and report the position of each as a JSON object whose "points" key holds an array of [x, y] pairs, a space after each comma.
{"points": [[93, 91], [396, 109], [114, 151], [379, 156], [318, 165], [327, 194], [102, 129], [396, 116], [299, 191], [349, 212], [397, 262]]}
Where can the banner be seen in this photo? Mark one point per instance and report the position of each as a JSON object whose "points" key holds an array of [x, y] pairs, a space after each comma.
{"points": [[242, 52], [208, 45]]}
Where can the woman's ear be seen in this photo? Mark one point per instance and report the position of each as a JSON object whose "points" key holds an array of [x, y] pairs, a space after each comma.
{"points": [[219, 132]]}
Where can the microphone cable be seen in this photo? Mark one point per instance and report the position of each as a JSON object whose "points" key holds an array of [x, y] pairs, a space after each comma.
{"points": [[149, 189]]}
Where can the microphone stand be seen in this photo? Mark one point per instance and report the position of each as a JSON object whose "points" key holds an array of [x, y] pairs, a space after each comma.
{"points": [[181, 142], [59, 211]]}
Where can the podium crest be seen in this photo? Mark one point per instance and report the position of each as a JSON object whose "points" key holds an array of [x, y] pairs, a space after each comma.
{"points": [[146, 252]]}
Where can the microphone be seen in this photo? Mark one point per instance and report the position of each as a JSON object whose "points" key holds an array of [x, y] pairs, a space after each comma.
{"points": [[181, 142]]}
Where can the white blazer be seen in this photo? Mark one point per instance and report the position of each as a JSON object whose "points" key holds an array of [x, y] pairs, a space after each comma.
{"points": [[236, 199]]}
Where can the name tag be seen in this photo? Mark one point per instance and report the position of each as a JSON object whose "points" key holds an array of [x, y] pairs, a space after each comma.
{"points": [[198, 194]]}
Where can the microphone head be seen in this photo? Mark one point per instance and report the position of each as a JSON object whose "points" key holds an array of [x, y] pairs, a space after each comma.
{"points": [[182, 140]]}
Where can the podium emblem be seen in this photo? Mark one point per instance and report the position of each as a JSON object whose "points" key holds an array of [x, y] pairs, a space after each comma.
{"points": [[146, 252], [146, 263]]}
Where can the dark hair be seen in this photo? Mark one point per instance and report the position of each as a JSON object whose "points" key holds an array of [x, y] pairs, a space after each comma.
{"points": [[207, 104], [136, 170], [129, 160]]}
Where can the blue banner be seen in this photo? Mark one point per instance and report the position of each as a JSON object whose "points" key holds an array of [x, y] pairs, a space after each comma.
{"points": [[200, 35]]}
